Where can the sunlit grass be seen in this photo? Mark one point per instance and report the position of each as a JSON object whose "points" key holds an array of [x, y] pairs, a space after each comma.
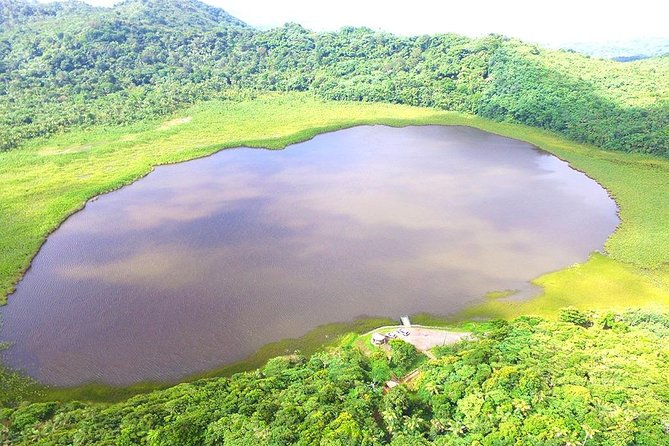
{"points": [[600, 284]]}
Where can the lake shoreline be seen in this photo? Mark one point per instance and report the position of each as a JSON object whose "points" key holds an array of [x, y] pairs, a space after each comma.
{"points": [[318, 339], [250, 246], [569, 152], [280, 143]]}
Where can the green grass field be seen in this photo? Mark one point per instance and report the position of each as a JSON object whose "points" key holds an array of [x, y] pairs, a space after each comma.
{"points": [[47, 180]]}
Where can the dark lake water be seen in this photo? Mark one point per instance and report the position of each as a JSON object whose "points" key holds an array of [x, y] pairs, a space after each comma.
{"points": [[201, 263]]}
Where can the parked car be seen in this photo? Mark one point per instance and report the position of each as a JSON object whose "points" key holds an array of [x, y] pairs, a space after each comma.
{"points": [[403, 331]]}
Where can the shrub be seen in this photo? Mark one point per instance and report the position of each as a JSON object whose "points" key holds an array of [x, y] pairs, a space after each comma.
{"points": [[575, 316]]}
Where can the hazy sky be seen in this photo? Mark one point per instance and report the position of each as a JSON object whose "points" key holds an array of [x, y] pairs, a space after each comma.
{"points": [[541, 21]]}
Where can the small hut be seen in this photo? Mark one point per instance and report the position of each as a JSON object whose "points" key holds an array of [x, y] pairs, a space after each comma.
{"points": [[390, 385], [379, 339]]}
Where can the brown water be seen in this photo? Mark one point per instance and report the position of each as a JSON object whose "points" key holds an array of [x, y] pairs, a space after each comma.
{"points": [[201, 263]]}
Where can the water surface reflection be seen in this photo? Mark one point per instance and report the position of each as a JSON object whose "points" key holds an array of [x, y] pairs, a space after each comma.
{"points": [[203, 262]]}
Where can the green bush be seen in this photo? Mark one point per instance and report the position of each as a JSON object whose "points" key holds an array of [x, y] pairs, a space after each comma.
{"points": [[535, 382], [575, 316]]}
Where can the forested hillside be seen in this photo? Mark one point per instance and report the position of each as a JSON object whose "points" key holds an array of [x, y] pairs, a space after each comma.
{"points": [[587, 381], [72, 65]]}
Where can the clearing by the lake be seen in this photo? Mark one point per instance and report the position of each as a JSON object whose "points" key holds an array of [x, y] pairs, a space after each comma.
{"points": [[423, 338]]}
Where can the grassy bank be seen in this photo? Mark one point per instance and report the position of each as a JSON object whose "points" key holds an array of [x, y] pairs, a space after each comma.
{"points": [[601, 284]]}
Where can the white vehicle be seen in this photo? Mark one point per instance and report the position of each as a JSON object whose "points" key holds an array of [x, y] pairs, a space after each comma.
{"points": [[403, 332]]}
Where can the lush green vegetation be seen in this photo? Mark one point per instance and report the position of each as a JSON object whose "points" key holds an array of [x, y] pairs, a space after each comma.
{"points": [[550, 383], [47, 179], [73, 66], [92, 99]]}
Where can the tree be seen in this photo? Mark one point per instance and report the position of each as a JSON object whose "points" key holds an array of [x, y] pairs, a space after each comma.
{"points": [[575, 316], [403, 356]]}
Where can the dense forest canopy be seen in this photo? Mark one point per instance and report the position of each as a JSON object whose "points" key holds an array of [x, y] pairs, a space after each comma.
{"points": [[580, 381], [70, 65]]}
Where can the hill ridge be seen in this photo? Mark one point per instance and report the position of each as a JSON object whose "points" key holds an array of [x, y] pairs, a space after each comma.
{"points": [[146, 58]]}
